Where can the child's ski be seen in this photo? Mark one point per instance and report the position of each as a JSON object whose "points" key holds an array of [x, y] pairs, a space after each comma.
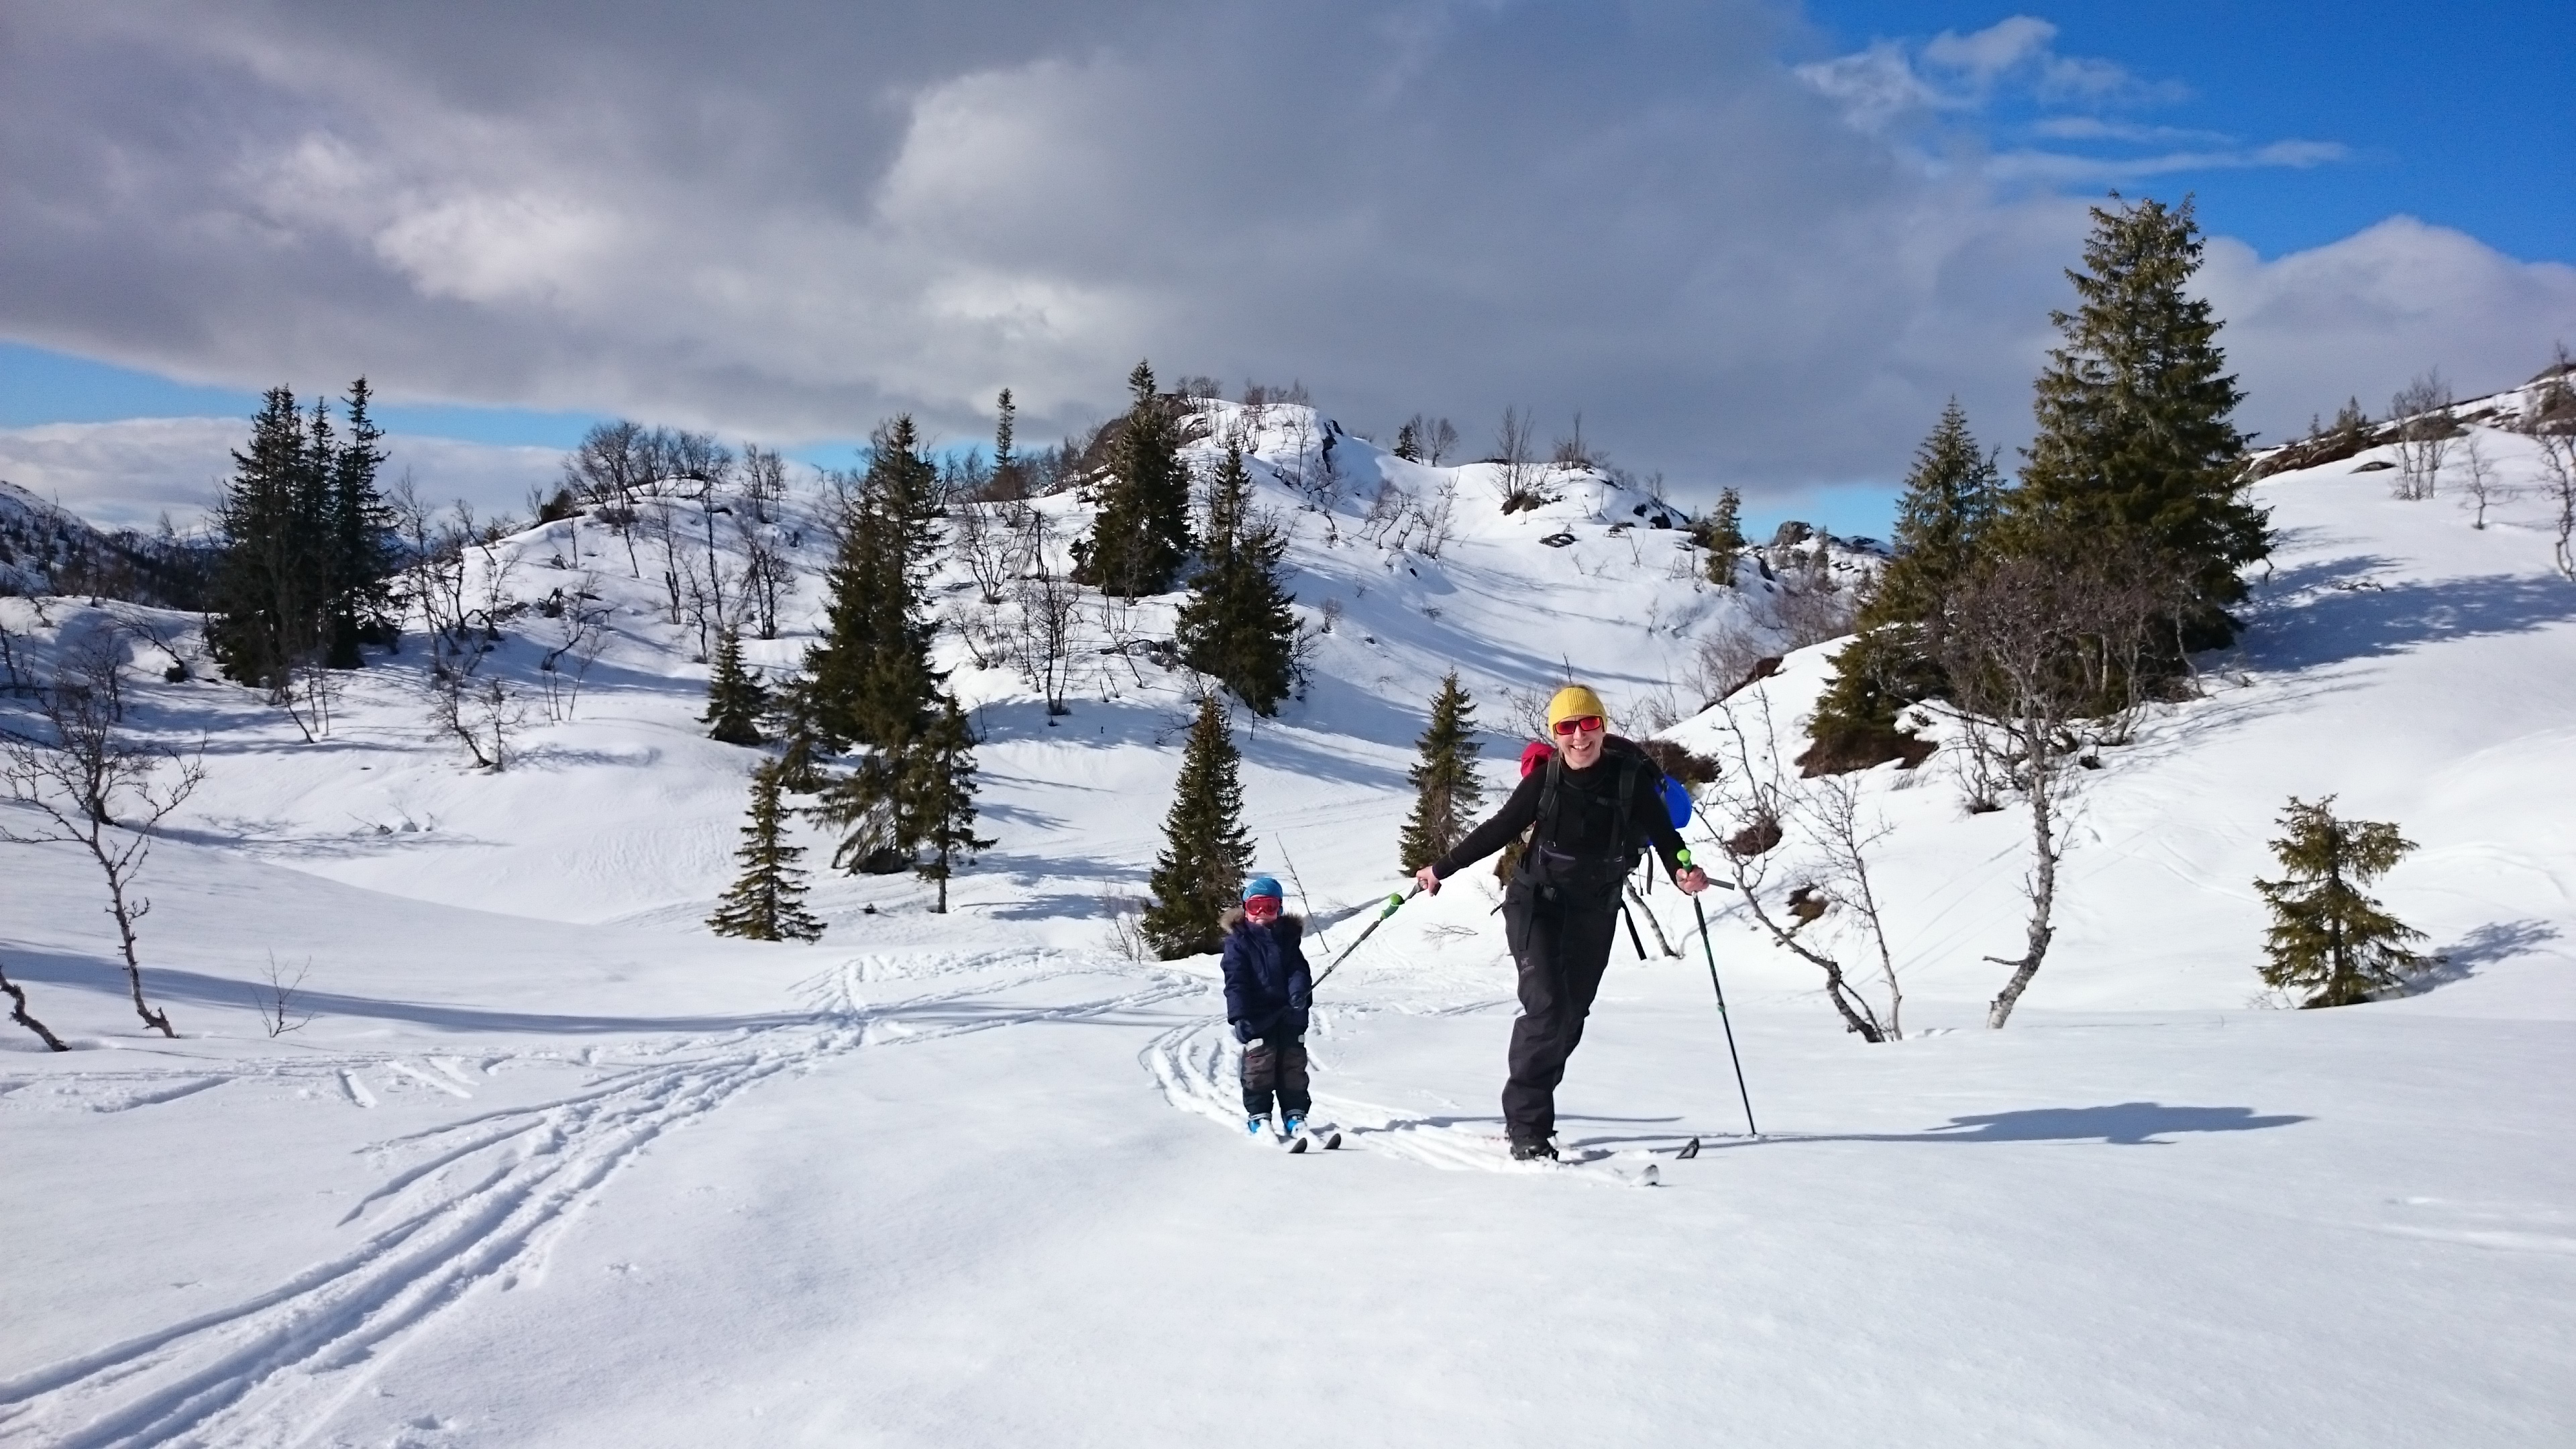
{"points": [[1327, 1140]]}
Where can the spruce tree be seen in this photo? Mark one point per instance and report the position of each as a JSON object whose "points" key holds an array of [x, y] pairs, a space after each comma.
{"points": [[1142, 534], [1206, 854], [301, 578], [869, 679], [1007, 482], [1951, 498], [1237, 627], [2327, 937], [767, 902], [937, 793], [1446, 793], [735, 700], [2137, 446], [1952, 494], [1722, 534], [361, 537]]}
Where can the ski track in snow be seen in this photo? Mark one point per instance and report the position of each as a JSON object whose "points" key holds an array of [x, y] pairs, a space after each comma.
{"points": [[1196, 1067], [481, 1203]]}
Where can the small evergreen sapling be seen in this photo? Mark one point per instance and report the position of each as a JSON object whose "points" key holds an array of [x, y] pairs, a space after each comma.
{"points": [[2328, 938], [735, 700], [1446, 793], [937, 796], [1205, 854], [768, 902]]}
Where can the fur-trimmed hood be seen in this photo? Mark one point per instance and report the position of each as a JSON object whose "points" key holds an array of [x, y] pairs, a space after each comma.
{"points": [[1290, 925]]}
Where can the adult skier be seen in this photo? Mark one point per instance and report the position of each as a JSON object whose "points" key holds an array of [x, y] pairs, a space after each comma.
{"points": [[1598, 799]]}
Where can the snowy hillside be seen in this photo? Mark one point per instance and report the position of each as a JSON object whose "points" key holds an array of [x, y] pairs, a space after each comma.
{"points": [[979, 1178]]}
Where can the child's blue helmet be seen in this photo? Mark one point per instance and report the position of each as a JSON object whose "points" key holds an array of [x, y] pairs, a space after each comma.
{"points": [[1261, 885]]}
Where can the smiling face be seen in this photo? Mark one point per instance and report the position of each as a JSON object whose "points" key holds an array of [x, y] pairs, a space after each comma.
{"points": [[1580, 740]]}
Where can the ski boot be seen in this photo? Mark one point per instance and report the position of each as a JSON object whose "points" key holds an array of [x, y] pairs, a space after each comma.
{"points": [[1540, 1150], [1292, 1125], [1255, 1126]]}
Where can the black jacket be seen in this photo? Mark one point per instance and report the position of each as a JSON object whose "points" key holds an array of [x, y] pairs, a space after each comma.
{"points": [[1582, 849], [1267, 981]]}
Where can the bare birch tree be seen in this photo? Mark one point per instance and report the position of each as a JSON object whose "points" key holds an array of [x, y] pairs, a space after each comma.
{"points": [[78, 775]]}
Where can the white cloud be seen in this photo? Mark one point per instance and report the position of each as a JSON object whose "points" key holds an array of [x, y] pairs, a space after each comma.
{"points": [[130, 474], [788, 221]]}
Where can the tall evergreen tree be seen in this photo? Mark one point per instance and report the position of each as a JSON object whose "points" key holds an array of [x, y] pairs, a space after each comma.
{"points": [[361, 536], [938, 796], [869, 679], [1446, 793], [1237, 627], [1142, 534], [1205, 854], [767, 902], [2137, 443], [301, 578], [1007, 482], [735, 700], [2327, 937]]}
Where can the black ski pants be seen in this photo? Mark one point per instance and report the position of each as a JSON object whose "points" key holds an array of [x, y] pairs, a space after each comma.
{"points": [[1560, 939], [1275, 1066]]}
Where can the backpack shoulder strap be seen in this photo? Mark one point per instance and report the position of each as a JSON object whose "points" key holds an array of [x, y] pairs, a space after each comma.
{"points": [[1544, 828]]}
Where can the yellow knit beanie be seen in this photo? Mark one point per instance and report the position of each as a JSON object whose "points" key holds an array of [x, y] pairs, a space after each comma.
{"points": [[1574, 702]]}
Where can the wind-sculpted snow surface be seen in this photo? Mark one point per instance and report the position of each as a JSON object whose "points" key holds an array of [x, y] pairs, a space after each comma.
{"points": [[550, 1165]]}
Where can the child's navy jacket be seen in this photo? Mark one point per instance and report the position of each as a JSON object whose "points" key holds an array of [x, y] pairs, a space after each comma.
{"points": [[1266, 978]]}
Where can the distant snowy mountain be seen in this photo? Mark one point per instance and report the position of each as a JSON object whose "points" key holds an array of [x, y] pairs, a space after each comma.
{"points": [[981, 1178]]}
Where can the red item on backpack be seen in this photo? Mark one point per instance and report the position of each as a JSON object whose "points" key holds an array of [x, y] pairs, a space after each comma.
{"points": [[1533, 755]]}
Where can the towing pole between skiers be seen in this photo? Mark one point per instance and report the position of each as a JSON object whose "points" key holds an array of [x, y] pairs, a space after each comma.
{"points": [[1723, 1018], [1393, 904]]}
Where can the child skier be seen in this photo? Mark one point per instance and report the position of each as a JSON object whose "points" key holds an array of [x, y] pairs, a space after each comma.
{"points": [[1266, 987]]}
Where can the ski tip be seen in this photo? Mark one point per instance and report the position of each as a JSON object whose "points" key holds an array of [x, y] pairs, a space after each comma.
{"points": [[1333, 1142], [1689, 1150], [1649, 1177], [1296, 1144]]}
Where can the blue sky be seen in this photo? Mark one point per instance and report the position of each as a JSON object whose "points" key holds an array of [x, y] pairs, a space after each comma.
{"points": [[1757, 246], [2459, 114]]}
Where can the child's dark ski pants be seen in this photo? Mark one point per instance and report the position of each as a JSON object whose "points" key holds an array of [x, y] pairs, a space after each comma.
{"points": [[1560, 938], [1275, 1064]]}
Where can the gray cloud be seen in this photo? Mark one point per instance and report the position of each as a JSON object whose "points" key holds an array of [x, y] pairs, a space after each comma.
{"points": [[787, 221]]}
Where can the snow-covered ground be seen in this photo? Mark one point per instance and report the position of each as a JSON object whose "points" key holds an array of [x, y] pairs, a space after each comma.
{"points": [[551, 1164]]}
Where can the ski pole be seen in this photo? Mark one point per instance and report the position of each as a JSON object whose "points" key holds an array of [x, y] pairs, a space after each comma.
{"points": [[1723, 1019], [1633, 938], [1389, 909]]}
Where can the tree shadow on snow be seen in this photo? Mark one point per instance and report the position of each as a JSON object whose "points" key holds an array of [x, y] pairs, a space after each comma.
{"points": [[2331, 612], [2486, 946]]}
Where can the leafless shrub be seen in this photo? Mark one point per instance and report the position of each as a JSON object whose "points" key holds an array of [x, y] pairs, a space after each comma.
{"points": [[575, 632], [2558, 476], [1514, 452], [2035, 644], [1526, 711], [2483, 486], [276, 1002], [1723, 661], [1125, 913], [2422, 410], [1048, 599], [1812, 605], [79, 774], [1748, 808]]}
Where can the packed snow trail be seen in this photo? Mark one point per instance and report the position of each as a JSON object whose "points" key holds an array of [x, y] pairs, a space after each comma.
{"points": [[478, 1207]]}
